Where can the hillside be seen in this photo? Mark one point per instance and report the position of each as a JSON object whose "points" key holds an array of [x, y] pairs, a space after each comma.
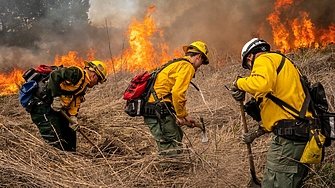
{"points": [[129, 157]]}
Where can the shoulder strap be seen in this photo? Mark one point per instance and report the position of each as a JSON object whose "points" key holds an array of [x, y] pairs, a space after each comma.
{"points": [[80, 87], [154, 75], [172, 61], [282, 62], [282, 104]]}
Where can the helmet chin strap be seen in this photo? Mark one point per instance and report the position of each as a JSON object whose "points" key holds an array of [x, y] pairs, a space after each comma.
{"points": [[252, 61]]}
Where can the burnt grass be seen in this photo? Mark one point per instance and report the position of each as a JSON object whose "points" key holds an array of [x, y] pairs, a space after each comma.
{"points": [[128, 157]]}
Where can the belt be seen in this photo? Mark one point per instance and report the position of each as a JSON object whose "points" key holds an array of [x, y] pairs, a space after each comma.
{"points": [[293, 129], [290, 131], [151, 109]]}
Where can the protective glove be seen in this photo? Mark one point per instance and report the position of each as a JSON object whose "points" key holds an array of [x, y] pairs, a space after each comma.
{"points": [[75, 126], [249, 137], [57, 104], [237, 94], [188, 121]]}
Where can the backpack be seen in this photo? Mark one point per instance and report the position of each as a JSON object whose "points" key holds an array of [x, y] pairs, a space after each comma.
{"points": [[319, 108], [315, 101], [34, 90], [140, 88]]}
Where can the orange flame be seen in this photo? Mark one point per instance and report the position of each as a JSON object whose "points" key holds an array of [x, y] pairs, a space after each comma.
{"points": [[11, 83], [303, 31], [69, 59], [299, 32], [141, 54]]}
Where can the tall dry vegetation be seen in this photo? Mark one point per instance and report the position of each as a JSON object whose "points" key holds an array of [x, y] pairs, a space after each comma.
{"points": [[129, 157]]}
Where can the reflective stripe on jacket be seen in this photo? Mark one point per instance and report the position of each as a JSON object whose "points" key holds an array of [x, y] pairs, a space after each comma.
{"points": [[285, 86], [175, 79], [69, 83]]}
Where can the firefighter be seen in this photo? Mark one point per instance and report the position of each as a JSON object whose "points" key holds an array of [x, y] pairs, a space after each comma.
{"points": [[271, 73], [66, 87], [170, 86]]}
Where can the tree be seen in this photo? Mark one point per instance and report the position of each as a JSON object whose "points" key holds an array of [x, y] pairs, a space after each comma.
{"points": [[20, 20]]}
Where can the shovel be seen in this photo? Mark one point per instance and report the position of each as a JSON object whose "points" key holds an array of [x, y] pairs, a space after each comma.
{"points": [[255, 181]]}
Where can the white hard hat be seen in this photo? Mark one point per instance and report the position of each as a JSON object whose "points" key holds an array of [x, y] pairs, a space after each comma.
{"points": [[255, 45]]}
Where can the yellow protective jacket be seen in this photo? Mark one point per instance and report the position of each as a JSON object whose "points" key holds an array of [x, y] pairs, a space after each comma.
{"points": [[285, 86], [71, 84], [175, 79]]}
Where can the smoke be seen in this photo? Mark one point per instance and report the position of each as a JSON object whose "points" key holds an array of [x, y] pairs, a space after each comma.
{"points": [[224, 25], [321, 13], [19, 58]]}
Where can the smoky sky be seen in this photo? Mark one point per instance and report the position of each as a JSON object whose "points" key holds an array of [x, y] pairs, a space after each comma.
{"points": [[225, 26]]}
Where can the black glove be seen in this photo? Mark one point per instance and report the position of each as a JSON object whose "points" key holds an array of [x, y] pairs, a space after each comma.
{"points": [[237, 94], [249, 137]]}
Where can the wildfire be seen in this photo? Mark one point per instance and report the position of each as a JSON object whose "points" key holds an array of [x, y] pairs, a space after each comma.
{"points": [[11, 83], [300, 32], [69, 59], [141, 54]]}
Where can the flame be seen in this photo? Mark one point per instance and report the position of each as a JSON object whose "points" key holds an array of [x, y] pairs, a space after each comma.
{"points": [[11, 83], [141, 54], [303, 31], [69, 59], [299, 32]]}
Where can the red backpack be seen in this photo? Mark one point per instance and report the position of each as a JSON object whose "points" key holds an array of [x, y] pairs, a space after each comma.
{"points": [[137, 86], [140, 88], [39, 73]]}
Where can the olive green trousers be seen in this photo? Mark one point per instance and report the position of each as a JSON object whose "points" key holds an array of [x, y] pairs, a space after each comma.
{"points": [[54, 128], [283, 169], [167, 134]]}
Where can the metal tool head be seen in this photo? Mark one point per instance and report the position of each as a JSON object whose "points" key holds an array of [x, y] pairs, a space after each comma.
{"points": [[204, 135]]}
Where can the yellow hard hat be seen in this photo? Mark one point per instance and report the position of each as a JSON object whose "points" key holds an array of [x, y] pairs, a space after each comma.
{"points": [[99, 68], [199, 47]]}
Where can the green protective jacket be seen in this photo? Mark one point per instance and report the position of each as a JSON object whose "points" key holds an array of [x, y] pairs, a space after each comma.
{"points": [[69, 83], [285, 86], [175, 79]]}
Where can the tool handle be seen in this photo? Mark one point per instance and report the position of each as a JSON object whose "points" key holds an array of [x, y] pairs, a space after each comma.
{"points": [[81, 132], [85, 136], [245, 127], [187, 123], [251, 160], [66, 116]]}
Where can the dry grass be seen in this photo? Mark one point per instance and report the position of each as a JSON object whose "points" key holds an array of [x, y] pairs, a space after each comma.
{"points": [[130, 158]]}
